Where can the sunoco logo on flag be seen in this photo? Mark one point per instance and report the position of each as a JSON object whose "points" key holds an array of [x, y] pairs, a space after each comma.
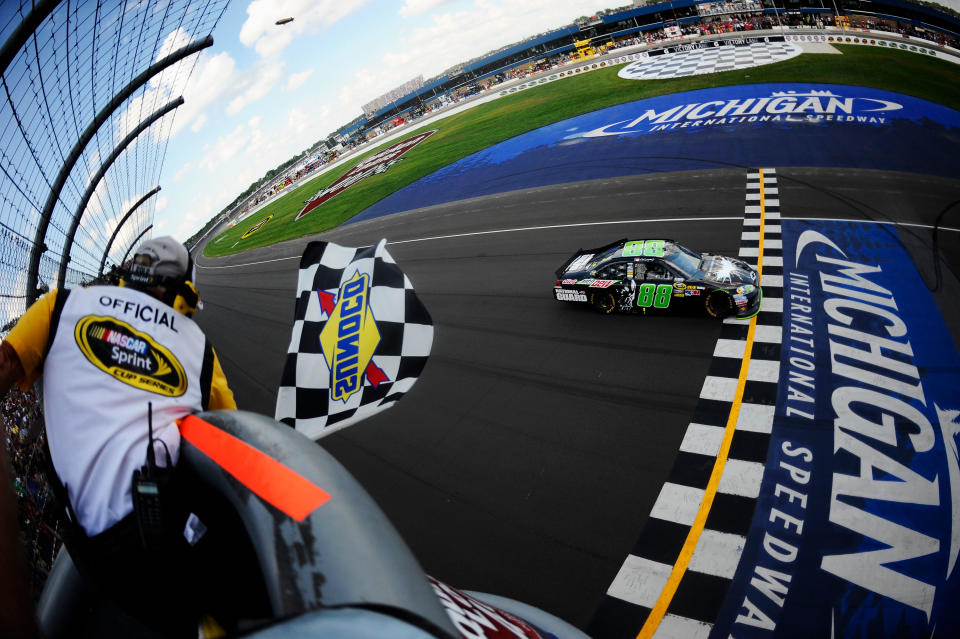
{"points": [[360, 339]]}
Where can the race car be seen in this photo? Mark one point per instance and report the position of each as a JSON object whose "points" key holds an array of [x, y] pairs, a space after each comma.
{"points": [[642, 276]]}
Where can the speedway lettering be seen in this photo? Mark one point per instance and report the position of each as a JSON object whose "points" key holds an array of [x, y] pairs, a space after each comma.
{"points": [[790, 106], [857, 520], [377, 163], [772, 576], [868, 414]]}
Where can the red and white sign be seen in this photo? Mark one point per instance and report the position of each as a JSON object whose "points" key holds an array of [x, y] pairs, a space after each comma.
{"points": [[475, 619], [376, 163]]}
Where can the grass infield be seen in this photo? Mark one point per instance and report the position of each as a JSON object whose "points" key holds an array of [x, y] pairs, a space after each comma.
{"points": [[480, 127]]}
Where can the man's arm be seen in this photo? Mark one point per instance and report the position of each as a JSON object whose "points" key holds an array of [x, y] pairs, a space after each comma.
{"points": [[11, 370]]}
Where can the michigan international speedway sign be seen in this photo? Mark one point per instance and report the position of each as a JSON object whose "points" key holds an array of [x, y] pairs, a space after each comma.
{"points": [[753, 125], [857, 528]]}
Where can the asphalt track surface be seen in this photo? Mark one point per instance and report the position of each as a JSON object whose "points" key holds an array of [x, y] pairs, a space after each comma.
{"points": [[526, 459]]}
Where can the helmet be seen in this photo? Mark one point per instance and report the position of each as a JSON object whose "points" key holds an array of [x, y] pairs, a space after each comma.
{"points": [[163, 261], [159, 261]]}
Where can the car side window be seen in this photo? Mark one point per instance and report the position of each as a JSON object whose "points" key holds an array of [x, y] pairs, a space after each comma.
{"points": [[616, 271], [657, 271]]}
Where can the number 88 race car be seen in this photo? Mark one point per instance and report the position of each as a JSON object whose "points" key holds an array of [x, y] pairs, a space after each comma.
{"points": [[641, 276]]}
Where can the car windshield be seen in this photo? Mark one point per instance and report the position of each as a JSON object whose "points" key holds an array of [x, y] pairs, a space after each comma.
{"points": [[683, 259]]}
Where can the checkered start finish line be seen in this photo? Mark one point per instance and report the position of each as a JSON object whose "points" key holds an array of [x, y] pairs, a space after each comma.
{"points": [[360, 339], [710, 59]]}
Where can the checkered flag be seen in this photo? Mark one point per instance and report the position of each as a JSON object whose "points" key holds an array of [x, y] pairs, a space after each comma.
{"points": [[360, 339]]}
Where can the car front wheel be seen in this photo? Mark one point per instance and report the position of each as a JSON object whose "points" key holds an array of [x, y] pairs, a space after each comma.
{"points": [[718, 304]]}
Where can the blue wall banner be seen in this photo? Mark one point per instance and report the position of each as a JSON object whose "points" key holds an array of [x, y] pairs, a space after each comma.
{"points": [[857, 528], [750, 125]]}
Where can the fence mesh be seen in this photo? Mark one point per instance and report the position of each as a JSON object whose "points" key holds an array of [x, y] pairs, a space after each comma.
{"points": [[70, 67]]}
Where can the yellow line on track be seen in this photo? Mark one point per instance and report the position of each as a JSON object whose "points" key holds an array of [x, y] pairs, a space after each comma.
{"points": [[699, 522]]}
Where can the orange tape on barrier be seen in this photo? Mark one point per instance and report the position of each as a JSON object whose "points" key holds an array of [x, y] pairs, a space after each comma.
{"points": [[278, 485]]}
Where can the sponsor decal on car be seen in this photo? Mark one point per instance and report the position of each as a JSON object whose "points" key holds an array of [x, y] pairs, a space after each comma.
{"points": [[350, 337], [679, 285], [130, 356], [377, 163], [643, 248], [691, 291], [580, 263], [569, 281], [586, 282], [602, 283], [655, 295], [566, 295]]}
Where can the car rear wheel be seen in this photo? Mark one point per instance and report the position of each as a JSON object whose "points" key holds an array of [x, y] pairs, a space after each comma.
{"points": [[604, 301], [718, 304]]}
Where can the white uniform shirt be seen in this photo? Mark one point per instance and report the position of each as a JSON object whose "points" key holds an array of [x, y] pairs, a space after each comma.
{"points": [[113, 351]]}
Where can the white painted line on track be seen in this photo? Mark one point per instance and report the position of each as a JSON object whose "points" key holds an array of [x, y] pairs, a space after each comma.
{"points": [[581, 224], [677, 627], [702, 439], [717, 553], [640, 581], [565, 226], [677, 503], [741, 478]]}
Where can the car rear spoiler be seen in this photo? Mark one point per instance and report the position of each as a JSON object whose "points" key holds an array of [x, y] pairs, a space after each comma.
{"points": [[594, 251]]}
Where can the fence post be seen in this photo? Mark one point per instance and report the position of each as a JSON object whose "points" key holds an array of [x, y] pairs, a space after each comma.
{"points": [[39, 245], [106, 251]]}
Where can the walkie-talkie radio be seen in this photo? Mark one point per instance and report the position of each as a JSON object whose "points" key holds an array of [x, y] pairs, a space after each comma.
{"points": [[150, 489]]}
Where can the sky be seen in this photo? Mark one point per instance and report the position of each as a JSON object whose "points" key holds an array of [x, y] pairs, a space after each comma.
{"points": [[264, 93]]}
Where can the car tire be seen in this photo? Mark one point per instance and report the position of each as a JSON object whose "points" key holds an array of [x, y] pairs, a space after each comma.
{"points": [[604, 301], [718, 304]]}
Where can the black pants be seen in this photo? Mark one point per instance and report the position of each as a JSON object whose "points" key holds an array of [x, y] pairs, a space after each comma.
{"points": [[169, 588], [156, 586], [151, 586]]}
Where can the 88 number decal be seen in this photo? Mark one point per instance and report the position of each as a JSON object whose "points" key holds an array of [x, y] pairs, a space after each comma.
{"points": [[647, 248], [655, 295]]}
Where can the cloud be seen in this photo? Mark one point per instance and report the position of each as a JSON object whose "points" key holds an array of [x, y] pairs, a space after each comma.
{"points": [[162, 203], [212, 80], [258, 83], [227, 147], [412, 8], [296, 80], [310, 17], [176, 39], [446, 38]]}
